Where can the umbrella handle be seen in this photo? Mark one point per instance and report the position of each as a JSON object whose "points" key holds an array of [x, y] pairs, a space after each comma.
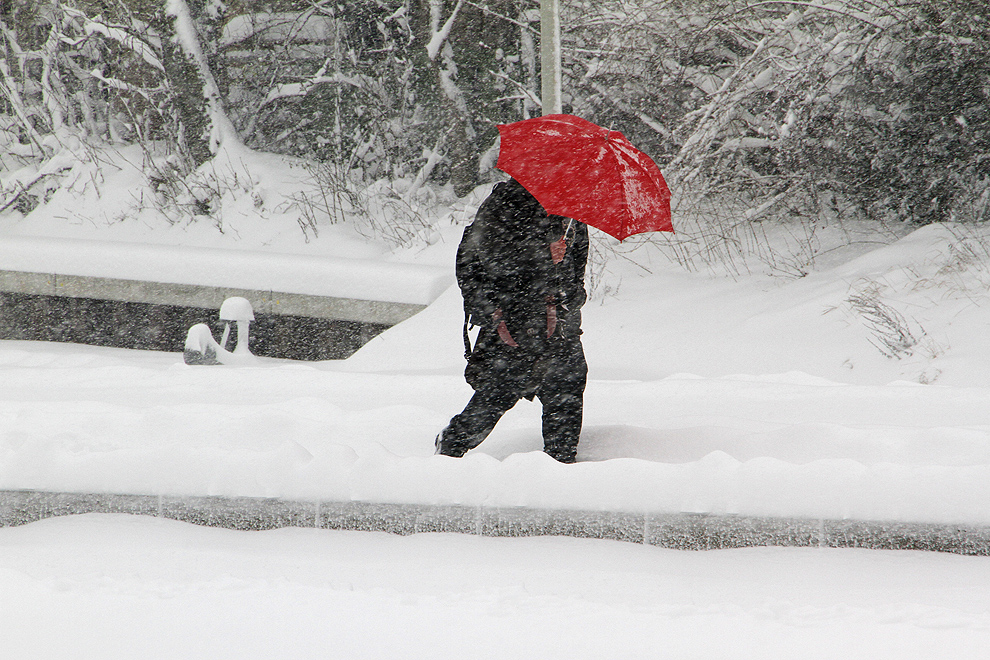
{"points": [[570, 224]]}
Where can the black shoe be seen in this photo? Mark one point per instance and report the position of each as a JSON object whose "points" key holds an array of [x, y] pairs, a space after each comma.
{"points": [[447, 448]]}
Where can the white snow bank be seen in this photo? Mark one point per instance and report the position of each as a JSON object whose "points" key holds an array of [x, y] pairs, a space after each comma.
{"points": [[362, 279]]}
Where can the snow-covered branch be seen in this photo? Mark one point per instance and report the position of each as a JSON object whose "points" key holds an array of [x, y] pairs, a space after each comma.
{"points": [[880, 20], [433, 157], [305, 27], [440, 33], [222, 132], [302, 88], [485, 9], [52, 90], [118, 33], [718, 111], [9, 89], [626, 107], [116, 83], [525, 92]]}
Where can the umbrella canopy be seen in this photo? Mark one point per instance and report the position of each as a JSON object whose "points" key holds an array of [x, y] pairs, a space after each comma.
{"points": [[580, 170]]}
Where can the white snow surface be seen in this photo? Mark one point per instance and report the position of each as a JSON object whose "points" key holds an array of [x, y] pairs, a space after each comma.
{"points": [[336, 277], [751, 394], [748, 394], [102, 587]]}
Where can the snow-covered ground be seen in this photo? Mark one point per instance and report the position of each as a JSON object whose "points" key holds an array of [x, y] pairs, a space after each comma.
{"points": [[750, 394], [756, 396], [117, 587]]}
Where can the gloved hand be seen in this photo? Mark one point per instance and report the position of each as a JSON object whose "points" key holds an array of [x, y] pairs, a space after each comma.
{"points": [[502, 329]]}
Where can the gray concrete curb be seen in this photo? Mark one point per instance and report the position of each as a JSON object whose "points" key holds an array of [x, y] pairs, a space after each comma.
{"points": [[681, 531]]}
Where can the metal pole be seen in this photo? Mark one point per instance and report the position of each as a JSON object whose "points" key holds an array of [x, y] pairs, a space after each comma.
{"points": [[550, 55]]}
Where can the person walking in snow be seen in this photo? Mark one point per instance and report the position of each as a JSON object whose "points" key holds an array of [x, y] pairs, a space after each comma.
{"points": [[521, 273]]}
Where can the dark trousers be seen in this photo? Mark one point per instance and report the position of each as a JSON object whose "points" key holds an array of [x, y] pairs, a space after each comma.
{"points": [[502, 375]]}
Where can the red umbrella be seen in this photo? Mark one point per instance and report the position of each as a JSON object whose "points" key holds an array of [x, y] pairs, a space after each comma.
{"points": [[580, 170]]}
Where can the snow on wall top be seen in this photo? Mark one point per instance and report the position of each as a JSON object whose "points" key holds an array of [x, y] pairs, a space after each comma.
{"points": [[361, 279]]}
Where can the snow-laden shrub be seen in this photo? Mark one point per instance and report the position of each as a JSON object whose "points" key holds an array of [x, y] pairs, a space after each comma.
{"points": [[756, 111], [878, 108]]}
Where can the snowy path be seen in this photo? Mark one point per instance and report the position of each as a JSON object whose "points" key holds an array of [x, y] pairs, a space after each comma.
{"points": [[97, 420], [131, 587]]}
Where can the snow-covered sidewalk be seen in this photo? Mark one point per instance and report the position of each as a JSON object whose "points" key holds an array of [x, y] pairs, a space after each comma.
{"points": [[86, 419]]}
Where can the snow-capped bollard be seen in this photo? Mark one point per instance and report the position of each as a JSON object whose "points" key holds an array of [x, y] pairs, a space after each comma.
{"points": [[202, 349], [239, 310]]}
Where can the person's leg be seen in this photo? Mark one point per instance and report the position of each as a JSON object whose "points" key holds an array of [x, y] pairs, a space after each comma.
{"points": [[468, 429], [493, 371], [562, 396]]}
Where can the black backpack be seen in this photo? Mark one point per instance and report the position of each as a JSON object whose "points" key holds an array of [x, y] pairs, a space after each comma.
{"points": [[472, 279]]}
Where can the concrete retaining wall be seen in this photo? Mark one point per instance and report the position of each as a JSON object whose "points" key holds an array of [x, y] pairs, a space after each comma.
{"points": [[668, 530], [146, 326], [147, 315]]}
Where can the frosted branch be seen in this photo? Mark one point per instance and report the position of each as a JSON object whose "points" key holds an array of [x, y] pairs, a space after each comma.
{"points": [[143, 49], [116, 83], [52, 89], [843, 9], [486, 10], [223, 132], [9, 89], [433, 157], [440, 35], [302, 88]]}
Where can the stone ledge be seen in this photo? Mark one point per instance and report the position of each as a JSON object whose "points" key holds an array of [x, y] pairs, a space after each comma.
{"points": [[680, 531], [206, 297]]}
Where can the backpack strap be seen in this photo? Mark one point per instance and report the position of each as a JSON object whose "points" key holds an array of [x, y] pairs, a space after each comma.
{"points": [[467, 338]]}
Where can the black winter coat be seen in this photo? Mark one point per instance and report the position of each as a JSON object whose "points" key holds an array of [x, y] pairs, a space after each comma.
{"points": [[504, 263]]}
